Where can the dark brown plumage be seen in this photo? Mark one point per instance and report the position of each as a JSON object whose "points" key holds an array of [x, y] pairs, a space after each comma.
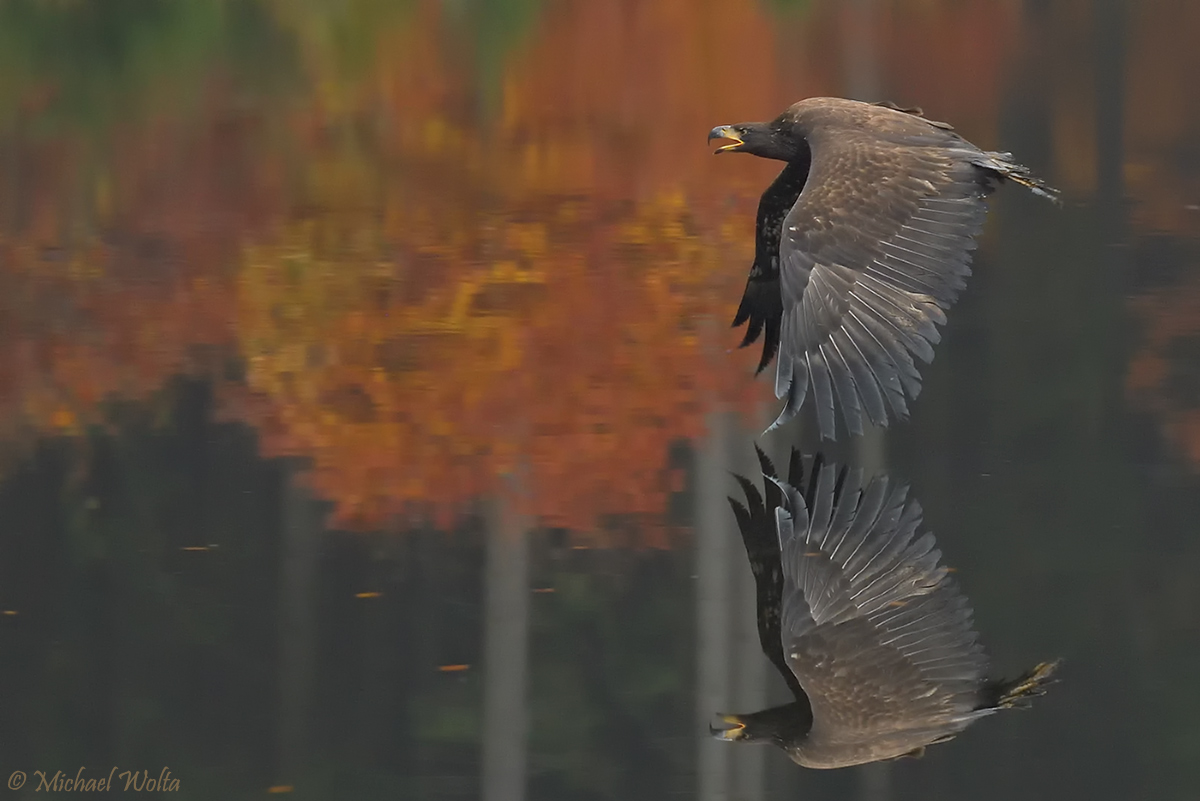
{"points": [[861, 242], [870, 633]]}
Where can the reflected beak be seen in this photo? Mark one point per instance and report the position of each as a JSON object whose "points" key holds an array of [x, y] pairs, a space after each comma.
{"points": [[731, 728], [726, 132]]}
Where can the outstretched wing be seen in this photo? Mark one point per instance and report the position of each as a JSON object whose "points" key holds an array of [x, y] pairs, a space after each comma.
{"points": [[875, 247], [876, 633]]}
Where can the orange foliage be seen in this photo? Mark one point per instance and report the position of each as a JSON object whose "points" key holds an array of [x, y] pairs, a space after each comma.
{"points": [[73, 336], [110, 293], [422, 357]]}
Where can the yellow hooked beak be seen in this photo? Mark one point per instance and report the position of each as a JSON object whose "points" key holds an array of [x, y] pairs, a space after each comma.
{"points": [[732, 730], [726, 132]]}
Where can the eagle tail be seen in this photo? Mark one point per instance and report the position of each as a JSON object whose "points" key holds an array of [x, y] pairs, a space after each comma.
{"points": [[1017, 692], [1003, 165]]}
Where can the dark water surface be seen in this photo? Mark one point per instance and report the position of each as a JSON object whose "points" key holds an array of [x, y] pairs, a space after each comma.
{"points": [[366, 402]]}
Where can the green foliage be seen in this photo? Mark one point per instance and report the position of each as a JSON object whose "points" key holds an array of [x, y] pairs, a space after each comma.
{"points": [[348, 30], [500, 27], [90, 65], [788, 8]]}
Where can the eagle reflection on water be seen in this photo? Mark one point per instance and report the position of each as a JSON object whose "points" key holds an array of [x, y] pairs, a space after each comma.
{"points": [[870, 633]]}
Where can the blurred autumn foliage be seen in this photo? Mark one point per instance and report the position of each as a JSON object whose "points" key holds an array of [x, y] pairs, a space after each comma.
{"points": [[1162, 173], [1162, 121], [114, 283], [516, 294], [1164, 375], [441, 255]]}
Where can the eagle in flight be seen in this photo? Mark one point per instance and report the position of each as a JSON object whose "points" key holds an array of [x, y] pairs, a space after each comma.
{"points": [[861, 243]]}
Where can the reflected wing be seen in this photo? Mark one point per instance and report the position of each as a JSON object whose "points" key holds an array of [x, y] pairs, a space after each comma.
{"points": [[876, 246], [756, 522], [877, 634]]}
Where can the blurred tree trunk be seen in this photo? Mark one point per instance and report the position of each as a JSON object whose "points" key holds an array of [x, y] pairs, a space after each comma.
{"points": [[747, 662], [1111, 18], [714, 555], [299, 550], [731, 670], [506, 655]]}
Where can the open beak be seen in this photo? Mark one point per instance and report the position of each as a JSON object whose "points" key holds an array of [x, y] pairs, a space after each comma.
{"points": [[731, 728], [725, 132]]}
